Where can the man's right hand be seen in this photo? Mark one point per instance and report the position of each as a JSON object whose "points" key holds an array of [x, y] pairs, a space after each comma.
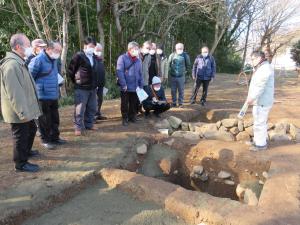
{"points": [[125, 89], [193, 77]]}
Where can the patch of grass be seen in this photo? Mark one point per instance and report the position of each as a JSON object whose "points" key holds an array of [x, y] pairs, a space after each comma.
{"points": [[65, 101]]}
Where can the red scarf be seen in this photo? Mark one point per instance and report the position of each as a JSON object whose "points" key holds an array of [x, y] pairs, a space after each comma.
{"points": [[133, 58]]}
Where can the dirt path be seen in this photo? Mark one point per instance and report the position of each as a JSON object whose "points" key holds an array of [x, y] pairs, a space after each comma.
{"points": [[102, 205]]}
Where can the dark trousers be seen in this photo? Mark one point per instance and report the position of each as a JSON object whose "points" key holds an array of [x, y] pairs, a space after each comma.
{"points": [[49, 121], [129, 101], [157, 108], [99, 100], [23, 136], [196, 87]]}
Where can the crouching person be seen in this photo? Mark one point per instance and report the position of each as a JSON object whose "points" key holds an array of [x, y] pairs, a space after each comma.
{"points": [[156, 100]]}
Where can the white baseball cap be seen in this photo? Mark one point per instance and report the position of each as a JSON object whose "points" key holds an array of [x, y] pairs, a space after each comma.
{"points": [[156, 80]]}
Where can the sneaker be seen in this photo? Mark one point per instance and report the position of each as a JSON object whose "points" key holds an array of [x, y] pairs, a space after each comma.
{"points": [[49, 146], [180, 106], [174, 105], [59, 141], [255, 148], [192, 102], [101, 117], [203, 103], [33, 153], [28, 167]]}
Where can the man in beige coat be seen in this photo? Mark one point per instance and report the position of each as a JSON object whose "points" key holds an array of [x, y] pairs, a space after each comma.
{"points": [[19, 101]]}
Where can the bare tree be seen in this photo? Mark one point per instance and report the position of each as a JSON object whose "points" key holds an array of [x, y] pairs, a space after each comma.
{"points": [[272, 23]]}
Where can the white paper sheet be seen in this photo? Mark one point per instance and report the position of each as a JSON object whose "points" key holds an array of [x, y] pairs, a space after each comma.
{"points": [[60, 79], [142, 95]]}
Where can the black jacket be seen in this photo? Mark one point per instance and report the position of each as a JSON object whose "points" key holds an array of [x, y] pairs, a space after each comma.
{"points": [[99, 73], [81, 72]]}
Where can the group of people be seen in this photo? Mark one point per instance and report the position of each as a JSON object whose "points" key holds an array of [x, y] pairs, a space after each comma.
{"points": [[30, 81]]}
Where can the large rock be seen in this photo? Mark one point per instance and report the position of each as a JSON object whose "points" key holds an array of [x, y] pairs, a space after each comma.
{"points": [[164, 124], [249, 130], [219, 135], [174, 122], [208, 127], [282, 128], [243, 136], [193, 125], [241, 125], [248, 123], [294, 131], [168, 165], [279, 136], [234, 130], [250, 197], [185, 126], [194, 136], [141, 149], [228, 123], [224, 175]]}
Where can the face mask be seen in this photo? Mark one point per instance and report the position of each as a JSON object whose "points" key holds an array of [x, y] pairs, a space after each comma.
{"points": [[27, 51], [179, 51], [89, 51], [134, 52], [99, 54], [204, 55], [54, 56], [145, 51], [152, 52], [156, 88], [159, 51]]}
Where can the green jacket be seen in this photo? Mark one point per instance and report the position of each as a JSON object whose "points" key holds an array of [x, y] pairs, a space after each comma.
{"points": [[179, 65], [19, 100]]}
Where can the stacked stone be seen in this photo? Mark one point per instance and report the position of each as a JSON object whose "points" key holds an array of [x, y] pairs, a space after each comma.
{"points": [[226, 130]]}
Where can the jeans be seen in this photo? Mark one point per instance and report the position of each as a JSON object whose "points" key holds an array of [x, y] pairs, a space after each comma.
{"points": [[85, 109], [196, 87], [49, 121], [129, 102], [99, 100], [260, 125], [23, 136], [177, 83]]}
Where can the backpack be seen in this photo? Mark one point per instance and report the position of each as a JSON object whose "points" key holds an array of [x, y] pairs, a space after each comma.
{"points": [[184, 56]]}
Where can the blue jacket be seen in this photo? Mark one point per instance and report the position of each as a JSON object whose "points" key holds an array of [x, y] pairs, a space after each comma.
{"points": [[44, 71], [132, 77], [204, 68]]}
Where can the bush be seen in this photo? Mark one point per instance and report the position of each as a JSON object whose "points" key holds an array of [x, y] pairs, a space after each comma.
{"points": [[67, 100], [295, 51]]}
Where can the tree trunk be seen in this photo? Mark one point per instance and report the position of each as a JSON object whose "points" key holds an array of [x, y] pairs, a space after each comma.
{"points": [[246, 41], [65, 41], [100, 24], [79, 25], [34, 18]]}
